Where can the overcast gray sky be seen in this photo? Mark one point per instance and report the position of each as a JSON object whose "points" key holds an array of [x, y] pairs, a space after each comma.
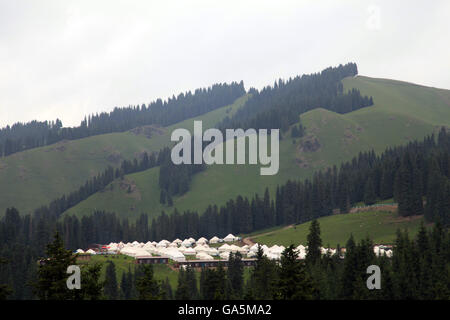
{"points": [[66, 59]]}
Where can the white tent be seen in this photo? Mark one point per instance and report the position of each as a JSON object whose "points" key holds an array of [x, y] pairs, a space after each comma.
{"points": [[224, 255], [186, 243], [177, 241], [189, 252], [203, 256], [229, 238], [201, 248], [174, 254], [90, 251], [214, 240], [212, 252], [234, 248], [224, 248], [202, 240], [251, 254], [80, 251]]}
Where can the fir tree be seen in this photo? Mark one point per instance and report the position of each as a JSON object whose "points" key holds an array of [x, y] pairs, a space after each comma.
{"points": [[52, 272]]}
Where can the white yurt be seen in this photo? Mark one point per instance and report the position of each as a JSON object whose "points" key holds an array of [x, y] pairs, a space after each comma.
{"points": [[177, 241], [212, 252], [254, 248], [214, 240], [189, 252], [90, 251], [242, 250], [302, 255], [175, 255], [224, 255], [201, 248], [203, 256], [251, 254], [79, 251], [234, 248], [186, 243], [202, 240], [224, 248], [229, 238]]}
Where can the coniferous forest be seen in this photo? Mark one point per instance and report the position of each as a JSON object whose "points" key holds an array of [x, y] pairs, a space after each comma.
{"points": [[23, 136]]}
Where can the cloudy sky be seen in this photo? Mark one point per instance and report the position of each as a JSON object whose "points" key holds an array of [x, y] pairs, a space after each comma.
{"points": [[65, 59]]}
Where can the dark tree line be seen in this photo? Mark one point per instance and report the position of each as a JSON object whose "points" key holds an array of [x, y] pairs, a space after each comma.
{"points": [[280, 105], [419, 269], [23, 136]]}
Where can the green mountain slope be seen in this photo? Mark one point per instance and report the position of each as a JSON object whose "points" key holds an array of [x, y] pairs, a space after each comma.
{"points": [[35, 177], [402, 112], [379, 226]]}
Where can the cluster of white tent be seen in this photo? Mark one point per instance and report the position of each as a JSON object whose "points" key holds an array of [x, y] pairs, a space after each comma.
{"points": [[381, 251], [90, 251], [178, 250]]}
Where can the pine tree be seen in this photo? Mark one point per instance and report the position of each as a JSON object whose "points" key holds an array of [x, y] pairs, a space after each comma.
{"points": [[264, 277], [52, 272], [91, 286], [294, 282], [110, 285], [314, 243], [5, 290], [235, 276], [148, 288], [369, 192]]}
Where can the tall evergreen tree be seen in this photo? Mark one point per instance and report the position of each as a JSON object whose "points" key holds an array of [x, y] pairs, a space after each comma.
{"points": [[314, 243], [110, 285], [52, 272], [294, 282]]}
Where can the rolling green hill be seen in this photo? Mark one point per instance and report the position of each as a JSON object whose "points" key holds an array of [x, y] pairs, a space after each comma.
{"points": [[379, 226], [35, 177], [402, 112]]}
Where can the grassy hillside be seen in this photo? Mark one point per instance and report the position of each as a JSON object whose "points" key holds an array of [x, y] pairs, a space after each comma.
{"points": [[35, 177], [402, 112], [379, 226]]}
